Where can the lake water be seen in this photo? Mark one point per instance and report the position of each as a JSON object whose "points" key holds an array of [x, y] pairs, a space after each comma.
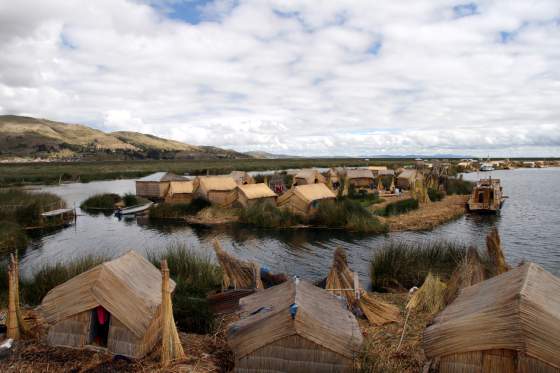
{"points": [[529, 225]]}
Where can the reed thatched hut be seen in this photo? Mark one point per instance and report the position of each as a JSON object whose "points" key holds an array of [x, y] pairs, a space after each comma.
{"points": [[360, 178], [377, 169], [156, 185], [335, 176], [509, 323], [407, 179], [305, 199], [179, 192], [115, 306], [294, 327], [249, 194], [309, 176], [242, 177], [218, 190]]}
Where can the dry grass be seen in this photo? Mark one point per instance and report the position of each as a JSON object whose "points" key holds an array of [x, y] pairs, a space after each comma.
{"points": [[430, 298]]}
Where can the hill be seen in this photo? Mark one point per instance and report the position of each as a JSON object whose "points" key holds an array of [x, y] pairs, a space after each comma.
{"points": [[26, 137], [265, 155]]}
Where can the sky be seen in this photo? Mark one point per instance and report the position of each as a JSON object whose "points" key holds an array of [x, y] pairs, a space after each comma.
{"points": [[308, 77]]}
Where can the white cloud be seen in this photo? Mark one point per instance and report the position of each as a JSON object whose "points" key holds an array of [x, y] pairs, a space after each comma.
{"points": [[300, 77]]}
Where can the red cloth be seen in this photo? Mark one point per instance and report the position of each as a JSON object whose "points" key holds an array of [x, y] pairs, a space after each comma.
{"points": [[101, 315]]}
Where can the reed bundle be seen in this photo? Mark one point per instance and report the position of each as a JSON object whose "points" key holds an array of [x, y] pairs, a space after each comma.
{"points": [[469, 272], [430, 297], [171, 348], [420, 192], [342, 281], [495, 252], [15, 323], [236, 273]]}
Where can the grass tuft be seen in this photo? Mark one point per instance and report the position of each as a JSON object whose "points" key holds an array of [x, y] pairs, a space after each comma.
{"points": [[177, 210], [349, 214], [399, 207], [459, 186], [267, 215], [104, 201]]}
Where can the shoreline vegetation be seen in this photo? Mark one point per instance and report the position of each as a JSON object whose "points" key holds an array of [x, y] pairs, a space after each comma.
{"points": [[20, 211], [111, 201]]}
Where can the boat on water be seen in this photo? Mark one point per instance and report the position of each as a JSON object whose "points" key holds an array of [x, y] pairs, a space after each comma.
{"points": [[133, 209], [486, 167], [487, 196]]}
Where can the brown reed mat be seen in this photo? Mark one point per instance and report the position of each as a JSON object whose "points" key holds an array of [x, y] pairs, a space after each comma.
{"points": [[204, 353], [380, 342], [495, 252], [237, 274], [341, 281]]}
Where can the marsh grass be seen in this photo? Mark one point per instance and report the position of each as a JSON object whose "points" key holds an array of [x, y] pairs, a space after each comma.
{"points": [[435, 195], [402, 265], [459, 186], [177, 210], [399, 207], [25, 208], [12, 236], [105, 201], [349, 214], [266, 215], [195, 275]]}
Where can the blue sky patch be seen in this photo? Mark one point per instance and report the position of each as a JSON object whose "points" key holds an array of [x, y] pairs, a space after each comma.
{"points": [[66, 43], [375, 48], [465, 10]]}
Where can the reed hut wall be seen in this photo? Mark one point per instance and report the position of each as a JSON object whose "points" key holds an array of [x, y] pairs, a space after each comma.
{"points": [[361, 182], [406, 179], [246, 202], [294, 354], [152, 189]]}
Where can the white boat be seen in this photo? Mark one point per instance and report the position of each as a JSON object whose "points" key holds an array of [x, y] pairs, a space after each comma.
{"points": [[486, 167], [133, 209]]}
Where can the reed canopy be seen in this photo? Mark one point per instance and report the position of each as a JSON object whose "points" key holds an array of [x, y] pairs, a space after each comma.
{"points": [[509, 323], [250, 194], [115, 306], [294, 327], [360, 178], [156, 185], [304, 199], [218, 190], [179, 192]]}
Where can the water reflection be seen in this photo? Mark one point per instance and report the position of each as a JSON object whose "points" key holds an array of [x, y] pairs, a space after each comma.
{"points": [[528, 224]]}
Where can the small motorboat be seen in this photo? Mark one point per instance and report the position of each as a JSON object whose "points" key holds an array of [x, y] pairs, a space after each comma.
{"points": [[133, 209]]}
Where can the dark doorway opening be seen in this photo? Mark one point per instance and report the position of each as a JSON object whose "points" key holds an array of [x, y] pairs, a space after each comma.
{"points": [[99, 330], [481, 197]]}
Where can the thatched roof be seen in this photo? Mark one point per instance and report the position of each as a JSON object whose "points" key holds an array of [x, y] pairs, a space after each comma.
{"points": [[129, 287], [359, 173], [320, 317], [180, 187], [309, 174], [217, 183], [162, 176], [517, 310], [253, 191], [377, 168], [313, 192]]}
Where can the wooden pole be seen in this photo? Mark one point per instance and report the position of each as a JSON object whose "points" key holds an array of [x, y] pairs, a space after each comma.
{"points": [[12, 321]]}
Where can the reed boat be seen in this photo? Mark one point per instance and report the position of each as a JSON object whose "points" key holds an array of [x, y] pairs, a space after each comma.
{"points": [[133, 209], [487, 196]]}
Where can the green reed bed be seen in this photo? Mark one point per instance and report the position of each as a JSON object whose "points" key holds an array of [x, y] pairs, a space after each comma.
{"points": [[195, 275], [107, 201], [399, 207], [348, 214], [404, 265], [435, 195], [267, 215], [459, 186], [177, 210]]}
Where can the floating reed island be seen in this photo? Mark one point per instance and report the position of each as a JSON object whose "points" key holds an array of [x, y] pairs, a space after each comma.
{"points": [[446, 308], [355, 199]]}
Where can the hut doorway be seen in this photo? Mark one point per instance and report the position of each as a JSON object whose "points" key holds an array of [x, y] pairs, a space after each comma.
{"points": [[99, 329]]}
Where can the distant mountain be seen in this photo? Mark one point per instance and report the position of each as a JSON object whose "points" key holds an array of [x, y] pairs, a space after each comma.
{"points": [[265, 155], [28, 137]]}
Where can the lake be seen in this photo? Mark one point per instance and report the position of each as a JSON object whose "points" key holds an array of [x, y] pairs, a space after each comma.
{"points": [[529, 225]]}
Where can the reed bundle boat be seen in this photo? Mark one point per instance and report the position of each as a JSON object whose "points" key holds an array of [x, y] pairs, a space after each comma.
{"points": [[487, 196]]}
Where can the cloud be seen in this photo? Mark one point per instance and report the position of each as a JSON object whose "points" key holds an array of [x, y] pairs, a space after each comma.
{"points": [[342, 78]]}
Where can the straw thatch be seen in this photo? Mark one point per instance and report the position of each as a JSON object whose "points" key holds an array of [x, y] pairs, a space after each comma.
{"points": [[469, 272], [304, 199], [343, 282], [250, 194], [156, 185], [128, 287], [430, 297], [218, 190], [179, 192], [495, 252], [237, 274], [510, 322], [360, 178], [294, 327], [406, 179], [309, 176], [242, 177], [171, 348]]}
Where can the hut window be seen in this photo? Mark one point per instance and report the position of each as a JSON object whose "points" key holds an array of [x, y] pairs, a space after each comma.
{"points": [[99, 330]]}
